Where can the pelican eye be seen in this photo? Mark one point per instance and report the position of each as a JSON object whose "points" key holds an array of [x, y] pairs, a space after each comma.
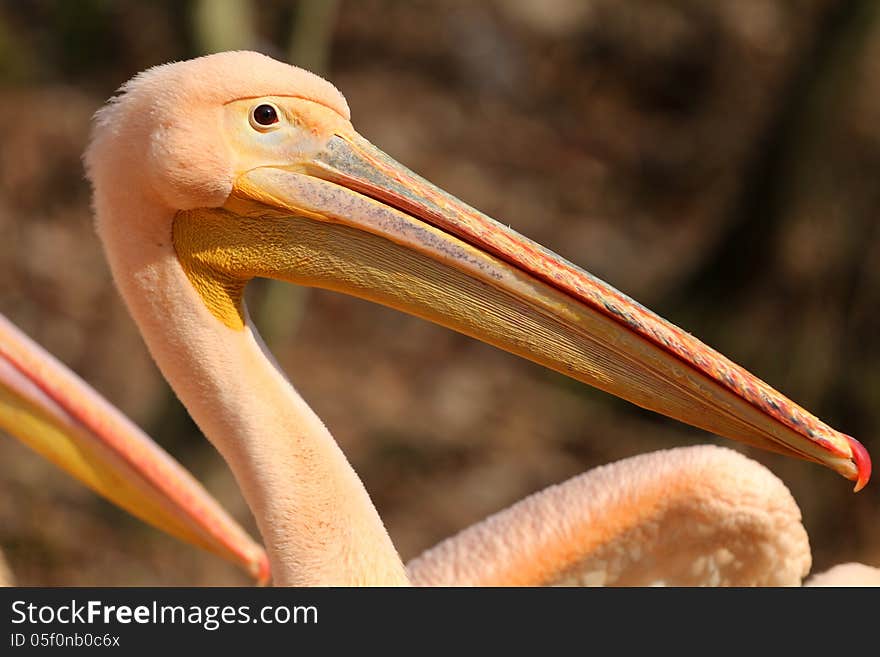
{"points": [[263, 116]]}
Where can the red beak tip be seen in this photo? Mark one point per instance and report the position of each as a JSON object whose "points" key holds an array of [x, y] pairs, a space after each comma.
{"points": [[863, 463], [260, 569]]}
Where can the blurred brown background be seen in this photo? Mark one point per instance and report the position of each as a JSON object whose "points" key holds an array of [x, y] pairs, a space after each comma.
{"points": [[717, 161]]}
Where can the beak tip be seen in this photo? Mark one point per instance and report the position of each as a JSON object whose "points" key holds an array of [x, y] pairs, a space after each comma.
{"points": [[863, 463], [260, 569]]}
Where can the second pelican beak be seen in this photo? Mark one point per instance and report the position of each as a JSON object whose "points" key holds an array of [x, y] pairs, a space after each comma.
{"points": [[55, 413], [351, 219]]}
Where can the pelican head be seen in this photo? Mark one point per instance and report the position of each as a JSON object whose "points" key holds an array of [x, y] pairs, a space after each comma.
{"points": [[239, 166]]}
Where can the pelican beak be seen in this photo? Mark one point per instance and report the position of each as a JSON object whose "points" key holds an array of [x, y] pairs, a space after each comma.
{"points": [[347, 217], [59, 416]]}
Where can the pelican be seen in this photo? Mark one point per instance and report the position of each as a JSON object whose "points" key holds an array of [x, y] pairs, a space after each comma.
{"points": [[55, 413], [847, 574], [210, 172]]}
